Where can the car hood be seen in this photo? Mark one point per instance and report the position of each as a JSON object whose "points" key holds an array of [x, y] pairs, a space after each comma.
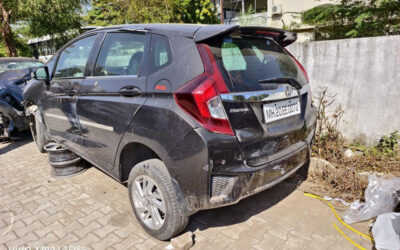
{"points": [[14, 81]]}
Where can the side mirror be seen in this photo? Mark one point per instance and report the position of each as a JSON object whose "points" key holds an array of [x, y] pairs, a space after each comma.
{"points": [[42, 74]]}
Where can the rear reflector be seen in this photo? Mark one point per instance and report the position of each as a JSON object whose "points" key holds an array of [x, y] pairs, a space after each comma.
{"points": [[200, 96]]}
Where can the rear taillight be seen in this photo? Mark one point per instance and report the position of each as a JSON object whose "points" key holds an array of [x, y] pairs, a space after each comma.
{"points": [[299, 65], [200, 96]]}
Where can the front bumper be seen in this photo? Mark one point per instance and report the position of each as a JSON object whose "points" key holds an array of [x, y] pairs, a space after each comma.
{"points": [[18, 118]]}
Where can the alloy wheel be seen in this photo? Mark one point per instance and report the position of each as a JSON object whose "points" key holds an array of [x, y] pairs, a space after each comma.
{"points": [[149, 202]]}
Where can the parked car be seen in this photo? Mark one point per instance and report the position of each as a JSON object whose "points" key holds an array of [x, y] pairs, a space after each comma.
{"points": [[190, 117], [14, 72]]}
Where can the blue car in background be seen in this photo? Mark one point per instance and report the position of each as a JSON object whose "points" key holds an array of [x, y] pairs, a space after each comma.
{"points": [[14, 72]]}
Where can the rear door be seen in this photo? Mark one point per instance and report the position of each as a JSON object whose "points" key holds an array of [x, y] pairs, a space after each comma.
{"points": [[110, 97], [268, 118], [60, 98]]}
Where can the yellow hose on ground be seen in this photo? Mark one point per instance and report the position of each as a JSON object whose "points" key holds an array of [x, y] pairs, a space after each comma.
{"points": [[337, 216], [348, 238]]}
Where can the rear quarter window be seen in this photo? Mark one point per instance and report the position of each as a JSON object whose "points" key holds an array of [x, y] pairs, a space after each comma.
{"points": [[160, 53]]}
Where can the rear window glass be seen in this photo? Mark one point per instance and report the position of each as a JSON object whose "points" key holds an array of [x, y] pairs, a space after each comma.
{"points": [[246, 60]]}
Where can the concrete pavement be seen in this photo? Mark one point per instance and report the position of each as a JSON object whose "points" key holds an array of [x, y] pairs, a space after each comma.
{"points": [[92, 211]]}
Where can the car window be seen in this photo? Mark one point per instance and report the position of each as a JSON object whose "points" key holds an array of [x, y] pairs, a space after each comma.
{"points": [[232, 57], [121, 54], [72, 61], [247, 60], [50, 64], [160, 55]]}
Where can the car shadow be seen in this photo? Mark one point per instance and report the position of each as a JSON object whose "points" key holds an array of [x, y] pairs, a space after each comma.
{"points": [[245, 209], [16, 141]]}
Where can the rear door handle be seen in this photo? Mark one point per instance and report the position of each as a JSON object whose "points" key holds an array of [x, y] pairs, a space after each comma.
{"points": [[71, 92], [129, 91]]}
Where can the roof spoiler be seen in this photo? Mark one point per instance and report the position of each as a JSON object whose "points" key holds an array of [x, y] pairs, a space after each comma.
{"points": [[283, 37]]}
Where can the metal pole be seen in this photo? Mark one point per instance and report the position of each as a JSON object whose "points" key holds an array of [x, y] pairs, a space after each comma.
{"points": [[221, 2]]}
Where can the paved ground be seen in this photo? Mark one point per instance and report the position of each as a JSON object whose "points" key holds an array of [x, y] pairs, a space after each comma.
{"points": [[91, 210]]}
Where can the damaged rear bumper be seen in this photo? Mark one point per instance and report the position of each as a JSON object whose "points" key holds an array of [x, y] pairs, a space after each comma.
{"points": [[227, 188], [215, 173]]}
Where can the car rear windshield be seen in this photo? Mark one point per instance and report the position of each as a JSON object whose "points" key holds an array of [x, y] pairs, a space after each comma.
{"points": [[246, 60]]}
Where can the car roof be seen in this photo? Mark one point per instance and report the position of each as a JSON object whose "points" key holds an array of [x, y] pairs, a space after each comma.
{"points": [[174, 29], [201, 32], [18, 59]]}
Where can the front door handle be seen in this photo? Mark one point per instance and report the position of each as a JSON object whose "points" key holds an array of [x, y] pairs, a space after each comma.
{"points": [[129, 91], [71, 92]]}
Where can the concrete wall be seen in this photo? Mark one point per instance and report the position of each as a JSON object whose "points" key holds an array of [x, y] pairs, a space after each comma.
{"points": [[365, 73]]}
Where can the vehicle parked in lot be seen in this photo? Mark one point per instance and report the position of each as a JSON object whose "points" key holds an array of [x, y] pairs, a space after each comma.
{"points": [[14, 72], [190, 117]]}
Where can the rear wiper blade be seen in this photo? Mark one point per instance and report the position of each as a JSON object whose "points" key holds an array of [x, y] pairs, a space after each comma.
{"points": [[291, 81]]}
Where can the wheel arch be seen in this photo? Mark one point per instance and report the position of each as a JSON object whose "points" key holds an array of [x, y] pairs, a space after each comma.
{"points": [[127, 162], [131, 154]]}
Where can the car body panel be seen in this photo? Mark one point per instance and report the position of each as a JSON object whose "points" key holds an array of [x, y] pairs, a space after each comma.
{"points": [[104, 122], [59, 101]]}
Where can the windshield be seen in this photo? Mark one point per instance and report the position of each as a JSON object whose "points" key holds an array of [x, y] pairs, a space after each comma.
{"points": [[246, 60], [15, 65]]}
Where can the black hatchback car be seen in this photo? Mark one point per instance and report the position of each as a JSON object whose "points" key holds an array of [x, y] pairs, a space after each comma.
{"points": [[191, 117]]}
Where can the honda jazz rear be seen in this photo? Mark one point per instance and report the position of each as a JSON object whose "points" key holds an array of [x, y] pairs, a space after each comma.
{"points": [[254, 101]]}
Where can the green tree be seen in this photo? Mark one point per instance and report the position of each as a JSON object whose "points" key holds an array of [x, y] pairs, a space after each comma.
{"points": [[8, 9], [108, 12], [151, 11], [42, 17], [195, 11], [354, 18]]}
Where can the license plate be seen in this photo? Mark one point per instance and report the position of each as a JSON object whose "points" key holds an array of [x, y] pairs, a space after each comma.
{"points": [[280, 110]]}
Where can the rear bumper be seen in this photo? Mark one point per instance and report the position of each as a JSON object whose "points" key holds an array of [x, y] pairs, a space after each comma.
{"points": [[230, 184], [227, 188], [210, 171]]}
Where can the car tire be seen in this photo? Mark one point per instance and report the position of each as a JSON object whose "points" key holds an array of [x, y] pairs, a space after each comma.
{"points": [[146, 202], [38, 131]]}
